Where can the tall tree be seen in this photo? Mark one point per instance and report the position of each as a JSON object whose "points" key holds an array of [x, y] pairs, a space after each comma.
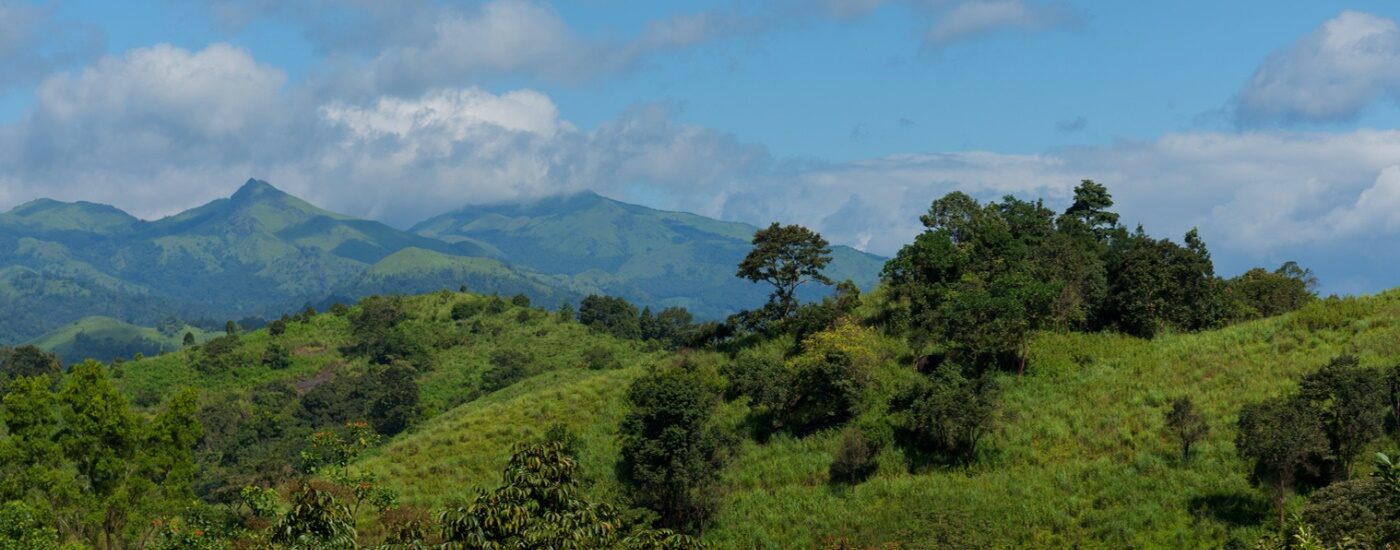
{"points": [[1186, 424], [671, 455], [1282, 437], [786, 257], [1351, 403]]}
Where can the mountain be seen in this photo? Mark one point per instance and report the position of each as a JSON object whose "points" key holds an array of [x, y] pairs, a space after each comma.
{"points": [[263, 252], [258, 252], [648, 256]]}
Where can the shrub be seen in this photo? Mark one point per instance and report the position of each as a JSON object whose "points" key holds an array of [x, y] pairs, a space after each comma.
{"points": [[523, 316], [855, 458], [277, 328], [610, 315], [508, 366], [946, 414], [276, 356], [600, 358], [1358, 509], [520, 300], [465, 310]]}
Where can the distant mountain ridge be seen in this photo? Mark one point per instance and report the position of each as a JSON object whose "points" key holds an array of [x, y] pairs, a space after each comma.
{"points": [[264, 252], [646, 255]]}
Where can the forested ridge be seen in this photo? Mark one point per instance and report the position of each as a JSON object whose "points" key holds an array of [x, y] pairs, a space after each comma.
{"points": [[1020, 377]]}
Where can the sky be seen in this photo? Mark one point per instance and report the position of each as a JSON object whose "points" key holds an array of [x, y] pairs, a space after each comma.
{"points": [[1270, 126]]}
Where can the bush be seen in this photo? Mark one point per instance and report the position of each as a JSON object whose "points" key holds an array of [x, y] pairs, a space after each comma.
{"points": [[276, 356], [508, 366], [600, 358], [1358, 509], [523, 317], [946, 415], [855, 458], [465, 310], [277, 328], [610, 315], [520, 300]]}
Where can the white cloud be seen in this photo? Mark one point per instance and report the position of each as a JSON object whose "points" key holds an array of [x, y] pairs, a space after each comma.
{"points": [[966, 20], [1331, 75]]}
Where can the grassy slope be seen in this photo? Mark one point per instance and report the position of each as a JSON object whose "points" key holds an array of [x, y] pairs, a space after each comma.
{"points": [[1080, 457]]}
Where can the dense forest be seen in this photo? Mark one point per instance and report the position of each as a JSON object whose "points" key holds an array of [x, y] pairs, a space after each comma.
{"points": [[1020, 377]]}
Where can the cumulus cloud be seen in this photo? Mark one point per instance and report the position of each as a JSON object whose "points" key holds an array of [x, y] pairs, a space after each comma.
{"points": [[1331, 75]]}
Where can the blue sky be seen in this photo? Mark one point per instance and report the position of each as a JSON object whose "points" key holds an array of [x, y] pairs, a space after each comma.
{"points": [[1269, 125]]}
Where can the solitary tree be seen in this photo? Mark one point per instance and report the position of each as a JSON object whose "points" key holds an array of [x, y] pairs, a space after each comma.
{"points": [[189, 339], [1187, 424], [1281, 436], [786, 257]]}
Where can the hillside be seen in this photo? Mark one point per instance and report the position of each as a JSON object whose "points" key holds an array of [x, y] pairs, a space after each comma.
{"points": [[1079, 458], [106, 338], [260, 252], [645, 255]]}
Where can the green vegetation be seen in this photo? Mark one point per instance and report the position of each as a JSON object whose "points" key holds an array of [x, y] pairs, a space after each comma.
{"points": [[988, 395]]}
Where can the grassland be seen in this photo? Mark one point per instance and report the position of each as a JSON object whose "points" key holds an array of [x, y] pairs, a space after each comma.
{"points": [[1080, 457]]}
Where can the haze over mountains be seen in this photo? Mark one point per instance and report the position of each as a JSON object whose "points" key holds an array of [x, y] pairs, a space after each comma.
{"points": [[262, 252]]}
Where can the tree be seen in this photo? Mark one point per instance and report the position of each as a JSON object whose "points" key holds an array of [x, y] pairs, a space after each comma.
{"points": [[167, 457], [1282, 436], [610, 315], [946, 414], [276, 356], [28, 360], [786, 257], [376, 331], [539, 505], [396, 406], [1186, 424], [566, 312], [1090, 209], [1350, 402], [277, 328], [520, 300], [231, 328], [100, 438], [508, 366], [671, 455], [189, 339]]}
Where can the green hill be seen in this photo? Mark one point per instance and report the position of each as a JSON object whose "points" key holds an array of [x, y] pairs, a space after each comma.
{"points": [[647, 256], [1079, 458], [105, 339], [260, 252]]}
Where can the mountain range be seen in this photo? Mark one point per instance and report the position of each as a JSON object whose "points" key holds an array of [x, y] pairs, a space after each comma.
{"points": [[263, 252]]}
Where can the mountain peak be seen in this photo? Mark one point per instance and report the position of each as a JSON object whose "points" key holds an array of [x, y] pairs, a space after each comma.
{"points": [[256, 188], [54, 215]]}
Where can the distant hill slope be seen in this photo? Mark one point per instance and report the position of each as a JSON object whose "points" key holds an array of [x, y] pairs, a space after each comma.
{"points": [[105, 339], [258, 252], [645, 255]]}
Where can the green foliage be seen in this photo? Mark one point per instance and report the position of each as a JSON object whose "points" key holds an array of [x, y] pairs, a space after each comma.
{"points": [[188, 339], [520, 300], [671, 452], [610, 315], [508, 366], [1350, 402], [1186, 424], [786, 257], [23, 527], [1358, 511], [1262, 293], [276, 356], [855, 457], [1283, 437], [945, 415], [462, 311], [601, 358], [566, 313], [396, 406], [316, 519], [277, 328], [375, 328]]}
